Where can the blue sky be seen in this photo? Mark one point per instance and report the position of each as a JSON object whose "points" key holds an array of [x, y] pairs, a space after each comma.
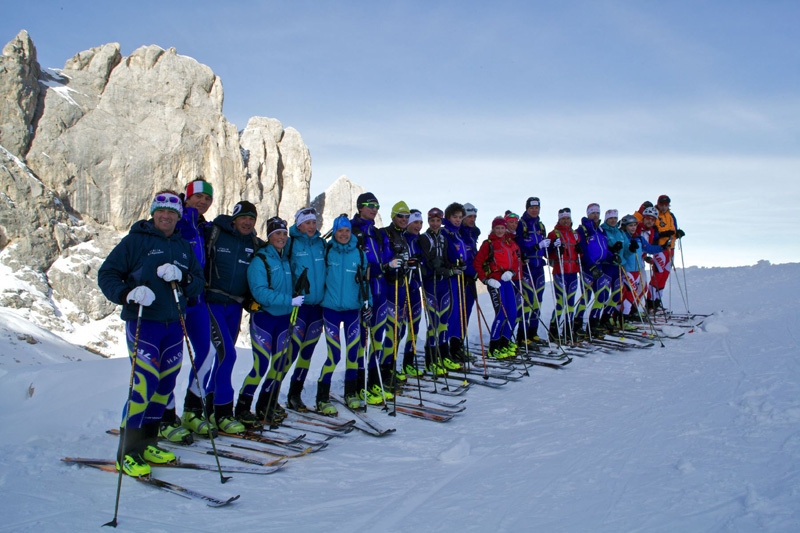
{"points": [[574, 102]]}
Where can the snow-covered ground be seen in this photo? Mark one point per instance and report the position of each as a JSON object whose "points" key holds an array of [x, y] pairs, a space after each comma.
{"points": [[702, 435]]}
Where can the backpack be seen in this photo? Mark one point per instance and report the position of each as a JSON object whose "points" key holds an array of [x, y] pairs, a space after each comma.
{"points": [[248, 302]]}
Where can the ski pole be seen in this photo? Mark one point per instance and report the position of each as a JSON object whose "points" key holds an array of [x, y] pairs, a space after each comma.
{"points": [[394, 348], [200, 386], [113, 522], [524, 363], [585, 298], [683, 271], [480, 333], [462, 314], [555, 309], [413, 340], [432, 327]]}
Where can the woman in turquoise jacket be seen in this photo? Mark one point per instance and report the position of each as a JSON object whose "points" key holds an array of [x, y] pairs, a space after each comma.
{"points": [[616, 244], [270, 279], [307, 257], [346, 292]]}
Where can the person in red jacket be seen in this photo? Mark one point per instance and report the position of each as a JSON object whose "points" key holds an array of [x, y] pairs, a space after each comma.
{"points": [[497, 264], [563, 256]]}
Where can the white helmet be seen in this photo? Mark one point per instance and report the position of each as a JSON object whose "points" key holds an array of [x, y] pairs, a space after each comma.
{"points": [[650, 212]]}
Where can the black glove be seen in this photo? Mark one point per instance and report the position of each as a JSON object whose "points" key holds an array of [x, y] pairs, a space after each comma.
{"points": [[665, 246], [633, 246], [412, 263], [366, 313], [616, 247], [648, 259], [680, 233], [617, 259], [668, 233], [578, 248], [596, 272]]}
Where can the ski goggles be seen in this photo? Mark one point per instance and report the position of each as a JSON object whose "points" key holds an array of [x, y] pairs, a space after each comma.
{"points": [[304, 215], [371, 205], [167, 201]]}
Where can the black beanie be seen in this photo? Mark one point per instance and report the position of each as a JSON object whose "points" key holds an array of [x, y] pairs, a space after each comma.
{"points": [[244, 208]]}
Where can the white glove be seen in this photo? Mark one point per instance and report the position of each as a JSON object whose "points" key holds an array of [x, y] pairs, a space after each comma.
{"points": [[557, 244], [141, 295], [169, 272], [507, 275], [493, 283], [297, 301], [395, 263], [544, 243]]}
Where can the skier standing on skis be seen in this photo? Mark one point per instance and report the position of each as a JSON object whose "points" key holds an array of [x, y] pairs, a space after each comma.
{"points": [[410, 327], [342, 305], [436, 273], [470, 233], [231, 244], [306, 254], [144, 273], [396, 280], [269, 277], [533, 242], [498, 265], [596, 282], [563, 258], [198, 197], [668, 233], [457, 256], [616, 240], [378, 252]]}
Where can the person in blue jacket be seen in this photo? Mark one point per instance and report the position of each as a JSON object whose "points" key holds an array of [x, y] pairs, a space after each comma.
{"points": [[470, 234], [198, 197], [231, 245], [612, 268], [634, 246], [269, 277], [457, 256], [307, 257], [594, 253], [532, 240], [151, 273], [378, 251], [410, 327], [345, 302]]}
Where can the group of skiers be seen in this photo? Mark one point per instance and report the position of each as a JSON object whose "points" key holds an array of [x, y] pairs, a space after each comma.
{"points": [[180, 278]]}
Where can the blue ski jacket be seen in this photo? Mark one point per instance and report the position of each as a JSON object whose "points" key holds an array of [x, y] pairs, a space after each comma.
{"points": [[308, 253], [594, 245], [343, 288], [270, 279], [133, 262]]}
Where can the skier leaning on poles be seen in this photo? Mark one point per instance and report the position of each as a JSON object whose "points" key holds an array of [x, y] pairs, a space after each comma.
{"points": [[668, 233], [140, 274], [498, 266]]}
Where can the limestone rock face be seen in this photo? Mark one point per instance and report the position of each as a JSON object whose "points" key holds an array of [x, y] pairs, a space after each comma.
{"points": [[339, 198], [83, 150], [19, 86]]}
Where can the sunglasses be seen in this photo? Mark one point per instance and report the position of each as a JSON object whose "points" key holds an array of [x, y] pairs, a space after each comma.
{"points": [[168, 198], [371, 205], [400, 215]]}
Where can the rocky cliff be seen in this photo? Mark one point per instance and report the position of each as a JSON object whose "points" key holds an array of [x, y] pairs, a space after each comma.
{"points": [[83, 149]]}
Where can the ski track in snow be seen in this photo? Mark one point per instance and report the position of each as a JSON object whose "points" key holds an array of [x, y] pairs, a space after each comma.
{"points": [[701, 435]]}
